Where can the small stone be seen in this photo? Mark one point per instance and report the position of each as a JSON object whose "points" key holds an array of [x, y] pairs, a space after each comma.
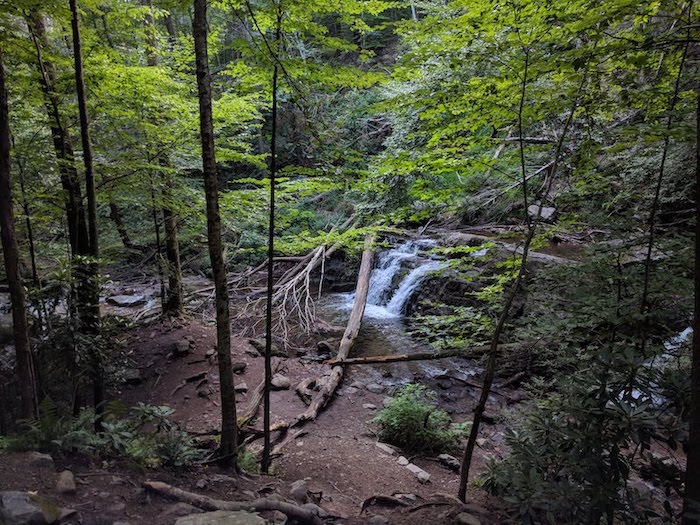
{"points": [[407, 497], [132, 376], [315, 510], [201, 484], [546, 214], [117, 507], [299, 491], [348, 391], [66, 483], [37, 459], [210, 353], [388, 449], [378, 520], [239, 367], [450, 462], [418, 472], [369, 406], [241, 388], [182, 347], [375, 388], [104, 495], [280, 382], [467, 519], [278, 518], [403, 461]]}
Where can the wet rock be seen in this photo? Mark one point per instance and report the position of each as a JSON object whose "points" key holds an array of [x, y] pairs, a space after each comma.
{"points": [[66, 483], [19, 508], [299, 491], [375, 388], [37, 459], [378, 520], [238, 367], [388, 449], [221, 517], [132, 376], [403, 461], [280, 382], [127, 301], [241, 388], [450, 462], [420, 474], [464, 518]]}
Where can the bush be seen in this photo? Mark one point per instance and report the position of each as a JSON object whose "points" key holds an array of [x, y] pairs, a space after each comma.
{"points": [[411, 421]]}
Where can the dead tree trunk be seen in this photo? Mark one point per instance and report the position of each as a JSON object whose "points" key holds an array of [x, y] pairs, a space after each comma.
{"points": [[346, 343], [229, 437], [23, 350]]}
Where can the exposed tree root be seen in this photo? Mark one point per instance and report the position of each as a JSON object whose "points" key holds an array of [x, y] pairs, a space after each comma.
{"points": [[261, 504]]}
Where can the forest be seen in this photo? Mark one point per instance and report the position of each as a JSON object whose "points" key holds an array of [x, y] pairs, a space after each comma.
{"points": [[354, 262]]}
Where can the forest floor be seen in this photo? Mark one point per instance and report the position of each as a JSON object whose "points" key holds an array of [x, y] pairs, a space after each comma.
{"points": [[337, 454]]}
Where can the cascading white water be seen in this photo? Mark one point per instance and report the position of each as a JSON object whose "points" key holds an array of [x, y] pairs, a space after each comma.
{"points": [[386, 299]]}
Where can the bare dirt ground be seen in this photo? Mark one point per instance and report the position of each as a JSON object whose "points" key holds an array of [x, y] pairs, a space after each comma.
{"points": [[337, 454]]}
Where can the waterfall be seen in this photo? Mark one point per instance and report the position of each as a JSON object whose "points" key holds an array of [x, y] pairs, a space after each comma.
{"points": [[387, 298]]}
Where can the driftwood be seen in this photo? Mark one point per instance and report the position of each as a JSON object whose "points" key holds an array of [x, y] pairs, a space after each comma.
{"points": [[258, 505], [346, 343]]}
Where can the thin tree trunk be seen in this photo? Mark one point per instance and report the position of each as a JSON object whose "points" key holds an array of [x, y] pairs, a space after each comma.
{"points": [[23, 350], [691, 501], [228, 447], [116, 215], [91, 319], [265, 461]]}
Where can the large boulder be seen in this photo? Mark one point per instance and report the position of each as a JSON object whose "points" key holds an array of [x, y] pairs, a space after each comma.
{"points": [[20, 508]]}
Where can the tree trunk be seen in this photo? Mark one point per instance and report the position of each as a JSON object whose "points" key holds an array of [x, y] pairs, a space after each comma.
{"points": [[228, 446], [91, 317], [417, 356], [23, 351], [691, 502], [116, 215]]}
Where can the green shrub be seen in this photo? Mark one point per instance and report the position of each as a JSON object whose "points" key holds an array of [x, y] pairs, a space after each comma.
{"points": [[411, 421]]}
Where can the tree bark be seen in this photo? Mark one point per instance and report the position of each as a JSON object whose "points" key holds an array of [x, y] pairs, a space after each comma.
{"points": [[91, 319], [418, 356], [23, 350], [691, 501], [116, 215], [229, 438]]}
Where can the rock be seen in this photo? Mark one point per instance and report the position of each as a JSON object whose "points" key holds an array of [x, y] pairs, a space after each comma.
{"points": [[349, 390], [222, 517], [132, 376], [387, 401], [238, 367], [299, 491], [201, 484], [19, 508], [127, 301], [407, 497], [66, 483], [182, 509], [116, 508], [315, 509], [280, 382], [369, 406], [375, 388], [418, 472], [484, 443], [546, 214], [444, 384], [378, 520], [211, 352], [259, 345], [403, 461], [386, 448], [182, 347], [37, 459], [241, 388], [324, 348], [464, 518], [278, 518], [450, 462]]}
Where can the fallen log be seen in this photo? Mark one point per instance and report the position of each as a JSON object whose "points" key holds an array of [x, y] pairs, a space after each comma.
{"points": [[249, 413], [352, 330], [417, 356], [258, 505]]}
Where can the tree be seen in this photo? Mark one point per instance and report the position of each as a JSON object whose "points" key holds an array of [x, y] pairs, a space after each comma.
{"points": [[229, 438], [23, 350]]}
